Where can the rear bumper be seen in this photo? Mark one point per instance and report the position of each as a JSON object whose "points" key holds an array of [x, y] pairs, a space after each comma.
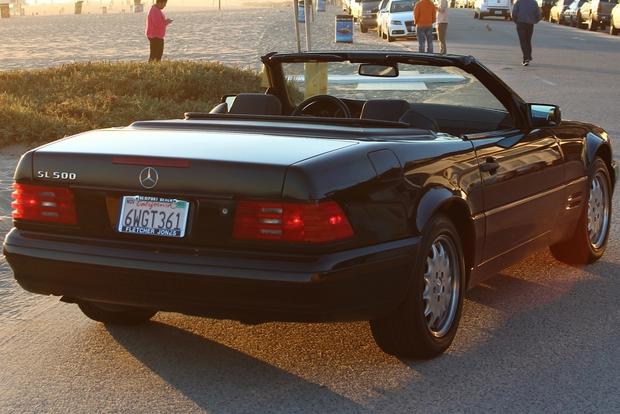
{"points": [[495, 11], [360, 284], [368, 21]]}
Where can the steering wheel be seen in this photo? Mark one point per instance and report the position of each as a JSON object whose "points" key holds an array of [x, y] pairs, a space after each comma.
{"points": [[316, 100]]}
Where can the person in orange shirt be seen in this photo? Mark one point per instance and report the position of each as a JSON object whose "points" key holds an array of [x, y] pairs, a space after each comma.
{"points": [[424, 14]]}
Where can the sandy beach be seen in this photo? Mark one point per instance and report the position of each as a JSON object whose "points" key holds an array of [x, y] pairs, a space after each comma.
{"points": [[236, 36]]}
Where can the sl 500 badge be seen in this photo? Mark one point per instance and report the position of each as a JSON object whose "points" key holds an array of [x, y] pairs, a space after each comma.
{"points": [[57, 175]]}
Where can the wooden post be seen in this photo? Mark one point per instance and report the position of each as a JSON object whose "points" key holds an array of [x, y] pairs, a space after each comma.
{"points": [[307, 23], [295, 19]]}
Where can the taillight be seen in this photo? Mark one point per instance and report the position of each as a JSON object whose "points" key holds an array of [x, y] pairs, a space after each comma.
{"points": [[294, 222], [47, 204]]}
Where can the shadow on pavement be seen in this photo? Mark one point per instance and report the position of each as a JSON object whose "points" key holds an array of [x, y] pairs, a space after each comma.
{"points": [[217, 377], [534, 338]]}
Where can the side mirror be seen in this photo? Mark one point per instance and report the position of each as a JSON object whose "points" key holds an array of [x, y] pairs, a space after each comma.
{"points": [[542, 115]]}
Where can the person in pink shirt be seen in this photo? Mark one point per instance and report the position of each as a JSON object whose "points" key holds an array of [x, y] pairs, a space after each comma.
{"points": [[156, 24]]}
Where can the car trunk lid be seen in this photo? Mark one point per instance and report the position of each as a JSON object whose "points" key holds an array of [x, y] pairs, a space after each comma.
{"points": [[197, 162]]}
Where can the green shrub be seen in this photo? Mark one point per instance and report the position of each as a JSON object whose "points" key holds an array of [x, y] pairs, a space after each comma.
{"points": [[43, 105]]}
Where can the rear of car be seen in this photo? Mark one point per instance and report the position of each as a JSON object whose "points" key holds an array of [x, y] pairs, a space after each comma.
{"points": [[492, 8], [602, 12], [368, 14], [571, 13], [596, 14], [557, 11], [614, 20], [164, 219]]}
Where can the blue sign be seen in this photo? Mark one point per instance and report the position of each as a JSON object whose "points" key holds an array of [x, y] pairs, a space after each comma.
{"points": [[344, 28], [301, 13]]}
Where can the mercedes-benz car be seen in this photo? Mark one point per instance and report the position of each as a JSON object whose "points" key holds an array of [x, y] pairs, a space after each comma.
{"points": [[376, 186]]}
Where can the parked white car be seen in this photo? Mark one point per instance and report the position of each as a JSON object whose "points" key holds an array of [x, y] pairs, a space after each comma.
{"points": [[365, 14], [397, 20], [496, 8], [382, 13]]}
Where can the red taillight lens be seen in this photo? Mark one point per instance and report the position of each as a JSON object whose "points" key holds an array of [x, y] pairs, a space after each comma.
{"points": [[294, 222], [47, 204]]}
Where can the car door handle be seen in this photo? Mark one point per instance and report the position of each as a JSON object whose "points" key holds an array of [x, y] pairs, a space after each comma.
{"points": [[490, 165]]}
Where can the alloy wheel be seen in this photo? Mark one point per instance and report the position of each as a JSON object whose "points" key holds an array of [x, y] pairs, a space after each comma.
{"points": [[598, 211], [441, 286]]}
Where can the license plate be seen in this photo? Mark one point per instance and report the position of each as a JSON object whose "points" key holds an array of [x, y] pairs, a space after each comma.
{"points": [[498, 12], [153, 216]]}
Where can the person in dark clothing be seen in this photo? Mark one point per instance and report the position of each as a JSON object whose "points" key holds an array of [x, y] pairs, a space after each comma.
{"points": [[526, 13]]}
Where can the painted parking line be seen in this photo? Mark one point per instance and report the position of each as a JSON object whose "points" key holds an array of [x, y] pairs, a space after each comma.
{"points": [[545, 81]]}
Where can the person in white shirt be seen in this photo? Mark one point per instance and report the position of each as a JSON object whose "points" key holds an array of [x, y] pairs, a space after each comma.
{"points": [[442, 25]]}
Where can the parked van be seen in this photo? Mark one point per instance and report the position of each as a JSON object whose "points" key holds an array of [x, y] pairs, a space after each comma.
{"points": [[497, 8]]}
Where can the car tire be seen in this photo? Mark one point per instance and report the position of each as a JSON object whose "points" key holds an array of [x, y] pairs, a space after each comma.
{"points": [[363, 28], [390, 38], [592, 25], [115, 314], [578, 22], [612, 30], [587, 246], [480, 16], [413, 329]]}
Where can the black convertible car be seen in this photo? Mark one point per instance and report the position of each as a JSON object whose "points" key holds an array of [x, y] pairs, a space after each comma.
{"points": [[372, 186]]}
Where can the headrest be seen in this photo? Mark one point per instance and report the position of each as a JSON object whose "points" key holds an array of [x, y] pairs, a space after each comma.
{"points": [[384, 109], [256, 104]]}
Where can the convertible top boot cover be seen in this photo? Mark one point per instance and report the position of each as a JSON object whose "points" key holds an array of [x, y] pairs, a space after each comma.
{"points": [[384, 109]]}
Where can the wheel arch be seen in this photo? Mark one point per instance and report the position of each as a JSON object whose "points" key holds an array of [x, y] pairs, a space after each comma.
{"points": [[443, 201], [598, 147]]}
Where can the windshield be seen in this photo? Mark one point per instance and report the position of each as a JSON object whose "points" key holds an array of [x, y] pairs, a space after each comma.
{"points": [[401, 6], [415, 84]]}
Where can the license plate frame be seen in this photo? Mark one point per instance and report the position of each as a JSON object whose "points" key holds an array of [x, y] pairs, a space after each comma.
{"points": [[153, 216]]}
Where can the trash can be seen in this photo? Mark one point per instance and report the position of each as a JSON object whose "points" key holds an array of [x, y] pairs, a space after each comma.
{"points": [[344, 28], [320, 5], [78, 7], [5, 10], [301, 12]]}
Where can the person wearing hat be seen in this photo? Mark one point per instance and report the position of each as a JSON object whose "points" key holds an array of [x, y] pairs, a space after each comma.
{"points": [[156, 24]]}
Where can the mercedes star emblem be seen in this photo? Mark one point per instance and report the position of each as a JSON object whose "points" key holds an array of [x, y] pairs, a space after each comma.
{"points": [[149, 177]]}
